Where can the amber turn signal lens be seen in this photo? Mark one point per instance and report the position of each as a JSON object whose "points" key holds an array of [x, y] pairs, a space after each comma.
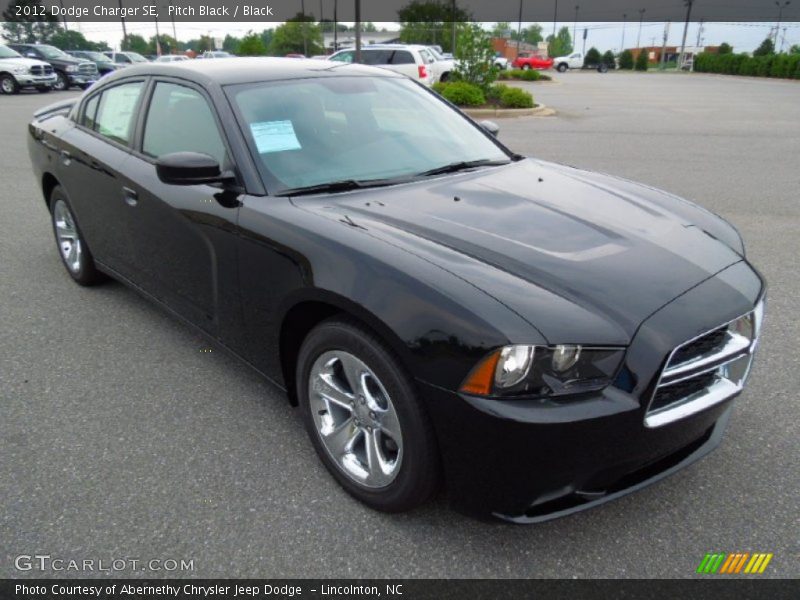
{"points": [[480, 379]]}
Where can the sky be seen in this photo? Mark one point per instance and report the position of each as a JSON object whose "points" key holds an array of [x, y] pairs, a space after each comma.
{"points": [[744, 37]]}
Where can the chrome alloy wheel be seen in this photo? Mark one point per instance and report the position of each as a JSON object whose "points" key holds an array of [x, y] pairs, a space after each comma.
{"points": [[69, 241], [355, 419]]}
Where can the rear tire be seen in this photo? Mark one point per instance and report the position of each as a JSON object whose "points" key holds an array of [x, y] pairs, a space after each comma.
{"points": [[373, 434], [75, 254], [9, 85]]}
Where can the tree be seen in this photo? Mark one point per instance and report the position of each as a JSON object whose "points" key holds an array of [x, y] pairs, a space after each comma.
{"points": [[168, 44], [368, 27], [135, 43], [74, 40], [29, 30], [608, 59], [299, 35], [251, 45], [502, 29], [626, 60], [474, 56], [266, 37], [725, 48], [642, 59], [529, 35], [561, 45], [765, 49], [795, 49], [592, 56], [429, 22], [231, 44]]}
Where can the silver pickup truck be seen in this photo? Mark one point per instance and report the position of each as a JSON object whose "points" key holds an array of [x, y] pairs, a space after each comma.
{"points": [[17, 72]]}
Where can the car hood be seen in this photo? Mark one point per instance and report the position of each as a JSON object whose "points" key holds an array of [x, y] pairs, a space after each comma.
{"points": [[580, 255], [21, 62]]}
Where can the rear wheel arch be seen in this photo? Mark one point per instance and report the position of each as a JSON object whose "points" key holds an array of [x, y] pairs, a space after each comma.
{"points": [[303, 316]]}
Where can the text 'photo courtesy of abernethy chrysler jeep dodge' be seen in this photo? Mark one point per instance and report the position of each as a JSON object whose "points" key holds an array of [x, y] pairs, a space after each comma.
{"points": [[532, 338]]}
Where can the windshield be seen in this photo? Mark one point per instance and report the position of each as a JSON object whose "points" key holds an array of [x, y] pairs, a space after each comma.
{"points": [[436, 54], [96, 56], [52, 52], [136, 57], [6, 52], [311, 132]]}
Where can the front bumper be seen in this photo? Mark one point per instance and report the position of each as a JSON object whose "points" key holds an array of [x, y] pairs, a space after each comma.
{"points": [[36, 80], [82, 79], [528, 460]]}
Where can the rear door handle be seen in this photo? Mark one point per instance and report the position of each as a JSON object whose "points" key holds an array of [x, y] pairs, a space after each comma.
{"points": [[130, 196]]}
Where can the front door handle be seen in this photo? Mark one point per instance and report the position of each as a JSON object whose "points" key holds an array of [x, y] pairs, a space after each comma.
{"points": [[66, 157], [130, 196]]}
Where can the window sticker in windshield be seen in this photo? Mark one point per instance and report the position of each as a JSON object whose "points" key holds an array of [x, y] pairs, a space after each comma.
{"points": [[274, 136]]}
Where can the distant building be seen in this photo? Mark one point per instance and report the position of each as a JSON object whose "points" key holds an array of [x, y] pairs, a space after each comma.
{"points": [[347, 39], [671, 52]]}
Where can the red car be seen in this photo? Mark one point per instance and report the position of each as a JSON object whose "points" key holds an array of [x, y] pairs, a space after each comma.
{"points": [[527, 60]]}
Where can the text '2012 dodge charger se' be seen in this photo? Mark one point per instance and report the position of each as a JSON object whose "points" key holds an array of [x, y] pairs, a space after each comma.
{"points": [[536, 338]]}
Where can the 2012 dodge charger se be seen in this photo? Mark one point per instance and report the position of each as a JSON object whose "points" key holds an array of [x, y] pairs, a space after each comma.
{"points": [[536, 338]]}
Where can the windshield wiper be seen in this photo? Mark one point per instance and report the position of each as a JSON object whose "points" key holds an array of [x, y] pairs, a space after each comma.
{"points": [[343, 185], [463, 165]]}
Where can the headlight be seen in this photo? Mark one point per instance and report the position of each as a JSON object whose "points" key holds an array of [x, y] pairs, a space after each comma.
{"points": [[540, 371], [72, 68], [20, 70]]}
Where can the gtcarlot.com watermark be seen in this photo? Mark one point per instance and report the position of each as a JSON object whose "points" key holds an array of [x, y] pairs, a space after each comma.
{"points": [[46, 562]]}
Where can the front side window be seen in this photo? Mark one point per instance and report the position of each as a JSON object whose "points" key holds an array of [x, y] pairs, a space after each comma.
{"points": [[316, 131], [116, 111], [346, 57], [6, 52], [52, 52], [121, 58], [180, 120]]}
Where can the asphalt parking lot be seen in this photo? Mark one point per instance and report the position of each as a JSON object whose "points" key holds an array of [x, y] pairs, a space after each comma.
{"points": [[120, 437]]}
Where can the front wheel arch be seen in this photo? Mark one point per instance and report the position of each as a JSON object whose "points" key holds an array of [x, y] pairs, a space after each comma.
{"points": [[301, 317], [49, 183]]}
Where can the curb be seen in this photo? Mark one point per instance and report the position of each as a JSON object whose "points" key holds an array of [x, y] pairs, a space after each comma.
{"points": [[540, 110]]}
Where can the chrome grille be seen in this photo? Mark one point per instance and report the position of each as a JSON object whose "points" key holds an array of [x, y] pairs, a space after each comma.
{"points": [[41, 70], [705, 370], [87, 68]]}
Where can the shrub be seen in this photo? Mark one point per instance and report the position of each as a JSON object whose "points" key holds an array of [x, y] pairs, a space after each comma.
{"points": [[642, 60], [608, 59], [495, 92], [462, 93], [626, 60], [475, 57], [592, 56], [439, 87], [524, 75], [515, 98]]}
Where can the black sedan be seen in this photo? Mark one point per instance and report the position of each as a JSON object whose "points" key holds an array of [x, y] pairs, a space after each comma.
{"points": [[534, 338]]}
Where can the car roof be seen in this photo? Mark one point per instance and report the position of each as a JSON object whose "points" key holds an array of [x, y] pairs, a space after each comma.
{"points": [[249, 70]]}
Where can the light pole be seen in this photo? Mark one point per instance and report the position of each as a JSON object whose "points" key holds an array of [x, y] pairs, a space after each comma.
{"points": [[158, 41], [575, 23], [780, 6], [124, 31], [519, 28], [685, 31], [555, 18], [624, 21], [641, 18]]}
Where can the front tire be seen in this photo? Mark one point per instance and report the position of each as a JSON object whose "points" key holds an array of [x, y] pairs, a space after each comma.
{"points": [[72, 248], [562, 67], [62, 82], [526, 67], [9, 85], [364, 418], [43, 89]]}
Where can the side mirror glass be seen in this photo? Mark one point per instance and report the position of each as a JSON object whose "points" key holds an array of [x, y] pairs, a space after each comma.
{"points": [[491, 127], [189, 168]]}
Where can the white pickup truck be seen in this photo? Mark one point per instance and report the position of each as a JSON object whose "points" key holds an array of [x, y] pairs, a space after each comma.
{"points": [[576, 60]]}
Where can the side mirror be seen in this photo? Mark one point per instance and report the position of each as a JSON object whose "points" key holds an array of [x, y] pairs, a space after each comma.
{"points": [[189, 168], [491, 127]]}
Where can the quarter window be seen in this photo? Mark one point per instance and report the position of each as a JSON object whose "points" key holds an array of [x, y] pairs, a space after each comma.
{"points": [[90, 111], [180, 120], [115, 112]]}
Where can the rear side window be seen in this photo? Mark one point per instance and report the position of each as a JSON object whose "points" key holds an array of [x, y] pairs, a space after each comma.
{"points": [[180, 120], [115, 112], [402, 57], [376, 57]]}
